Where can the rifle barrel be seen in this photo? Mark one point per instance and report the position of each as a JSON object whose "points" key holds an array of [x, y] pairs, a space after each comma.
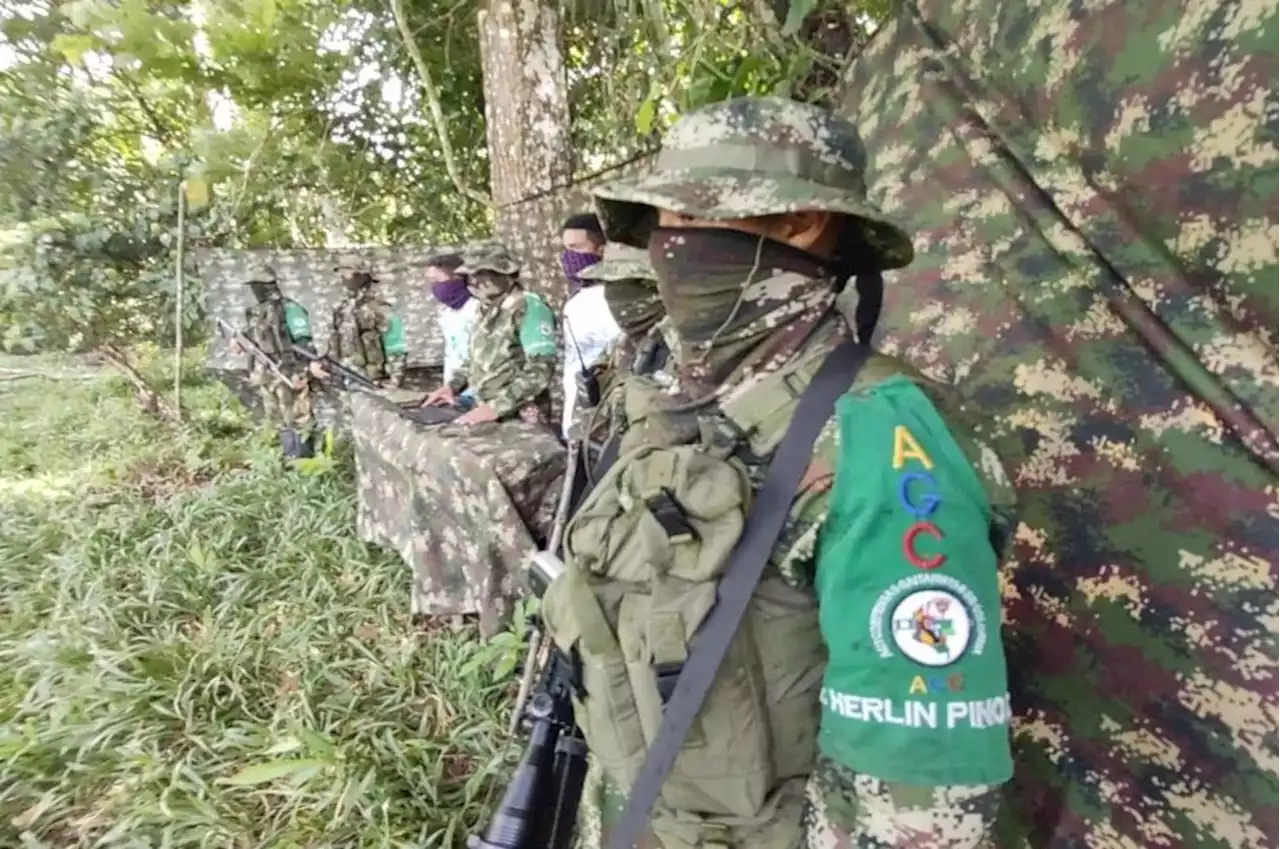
{"points": [[254, 351]]}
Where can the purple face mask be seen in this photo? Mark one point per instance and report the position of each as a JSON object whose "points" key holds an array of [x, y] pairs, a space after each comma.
{"points": [[573, 262], [452, 292]]}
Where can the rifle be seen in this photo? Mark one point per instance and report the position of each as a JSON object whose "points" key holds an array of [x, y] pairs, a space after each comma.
{"points": [[347, 378], [350, 379], [254, 351], [540, 808]]}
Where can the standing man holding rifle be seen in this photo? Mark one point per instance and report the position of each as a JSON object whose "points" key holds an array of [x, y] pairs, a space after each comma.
{"points": [[274, 326], [365, 333]]}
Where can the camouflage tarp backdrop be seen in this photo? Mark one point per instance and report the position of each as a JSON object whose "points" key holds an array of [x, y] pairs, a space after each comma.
{"points": [[1093, 193], [307, 276]]}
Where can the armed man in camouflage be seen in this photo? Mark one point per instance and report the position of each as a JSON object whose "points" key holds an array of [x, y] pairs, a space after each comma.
{"points": [[865, 700], [512, 350], [644, 348], [275, 323], [365, 332], [631, 291]]}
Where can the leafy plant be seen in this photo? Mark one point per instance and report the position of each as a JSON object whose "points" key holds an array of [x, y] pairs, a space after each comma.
{"points": [[195, 649]]}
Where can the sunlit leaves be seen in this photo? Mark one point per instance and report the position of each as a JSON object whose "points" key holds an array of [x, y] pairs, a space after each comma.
{"points": [[307, 118], [646, 62], [797, 11]]}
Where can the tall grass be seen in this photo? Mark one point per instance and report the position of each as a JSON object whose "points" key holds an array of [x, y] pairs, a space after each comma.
{"points": [[195, 650]]}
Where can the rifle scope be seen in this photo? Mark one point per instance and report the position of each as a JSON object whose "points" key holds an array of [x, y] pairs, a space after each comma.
{"points": [[540, 807]]}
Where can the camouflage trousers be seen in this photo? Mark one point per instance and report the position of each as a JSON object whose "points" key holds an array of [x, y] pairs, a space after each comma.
{"points": [[282, 405], [464, 506], [842, 811]]}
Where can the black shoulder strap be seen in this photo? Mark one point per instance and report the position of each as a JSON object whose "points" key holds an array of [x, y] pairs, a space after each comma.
{"points": [[763, 524]]}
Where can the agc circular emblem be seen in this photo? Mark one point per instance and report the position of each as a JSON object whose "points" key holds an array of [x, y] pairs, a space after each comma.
{"points": [[932, 627]]}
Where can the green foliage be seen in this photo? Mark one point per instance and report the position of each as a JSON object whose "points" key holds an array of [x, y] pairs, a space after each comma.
{"points": [[304, 119], [308, 123], [195, 650], [654, 60]]}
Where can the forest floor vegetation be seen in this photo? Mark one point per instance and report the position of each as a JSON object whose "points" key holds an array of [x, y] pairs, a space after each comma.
{"points": [[197, 651]]}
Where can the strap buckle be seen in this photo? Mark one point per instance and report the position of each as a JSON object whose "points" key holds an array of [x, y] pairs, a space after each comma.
{"points": [[670, 516], [666, 675], [714, 835]]}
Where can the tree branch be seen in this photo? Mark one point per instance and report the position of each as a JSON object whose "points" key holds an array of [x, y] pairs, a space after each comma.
{"points": [[148, 398], [163, 133], [433, 101]]}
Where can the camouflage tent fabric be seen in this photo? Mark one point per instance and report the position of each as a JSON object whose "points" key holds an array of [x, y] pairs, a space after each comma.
{"points": [[308, 277], [464, 507], [1093, 194]]}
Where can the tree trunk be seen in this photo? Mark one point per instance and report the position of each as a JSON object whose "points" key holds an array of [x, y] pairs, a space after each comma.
{"points": [[526, 109], [526, 99]]}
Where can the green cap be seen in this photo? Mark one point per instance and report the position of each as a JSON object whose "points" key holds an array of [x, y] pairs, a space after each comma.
{"points": [[259, 272], [620, 262], [348, 267], [492, 256]]}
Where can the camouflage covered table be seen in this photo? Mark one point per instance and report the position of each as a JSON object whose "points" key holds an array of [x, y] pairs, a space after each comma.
{"points": [[464, 507]]}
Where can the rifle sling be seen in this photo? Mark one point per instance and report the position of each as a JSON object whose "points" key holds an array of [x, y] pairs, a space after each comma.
{"points": [[764, 522]]}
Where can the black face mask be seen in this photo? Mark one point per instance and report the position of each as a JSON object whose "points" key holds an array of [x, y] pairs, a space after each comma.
{"points": [[357, 283], [728, 292]]}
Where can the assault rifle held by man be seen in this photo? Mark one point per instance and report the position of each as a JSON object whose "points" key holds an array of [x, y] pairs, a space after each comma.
{"points": [[540, 808], [350, 379], [346, 378], [239, 340]]}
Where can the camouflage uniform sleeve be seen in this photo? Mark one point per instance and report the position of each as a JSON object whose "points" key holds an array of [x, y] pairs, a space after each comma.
{"points": [[394, 348], [794, 553], [331, 344], [460, 379], [848, 809], [537, 341], [247, 328]]}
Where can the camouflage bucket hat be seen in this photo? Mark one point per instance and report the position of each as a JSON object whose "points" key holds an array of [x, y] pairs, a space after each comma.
{"points": [[259, 272], [492, 257], [621, 262], [754, 156]]}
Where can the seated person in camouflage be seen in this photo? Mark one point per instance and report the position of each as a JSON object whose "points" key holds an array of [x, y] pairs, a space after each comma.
{"points": [[365, 334], [864, 700], [512, 353], [275, 324], [631, 293]]}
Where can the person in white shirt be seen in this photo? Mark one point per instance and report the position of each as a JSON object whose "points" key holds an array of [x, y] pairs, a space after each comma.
{"points": [[458, 313], [589, 327]]}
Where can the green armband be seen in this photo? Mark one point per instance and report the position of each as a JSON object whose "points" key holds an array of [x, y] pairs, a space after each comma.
{"points": [[297, 322], [916, 689], [393, 340], [537, 328]]}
